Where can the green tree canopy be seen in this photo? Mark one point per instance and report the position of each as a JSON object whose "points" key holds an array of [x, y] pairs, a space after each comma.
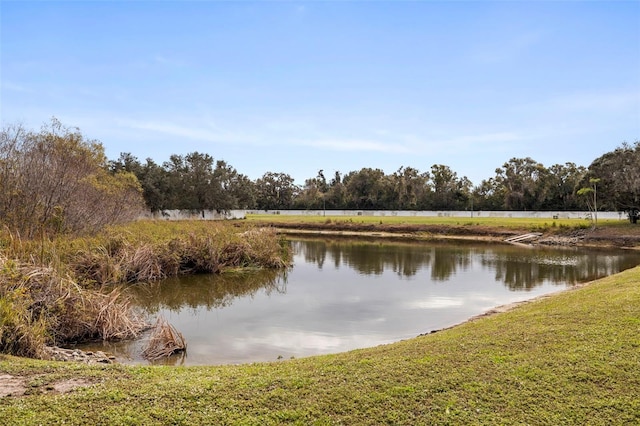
{"points": [[619, 174]]}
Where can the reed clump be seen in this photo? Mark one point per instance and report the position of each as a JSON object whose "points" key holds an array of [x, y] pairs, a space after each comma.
{"points": [[39, 307], [124, 257], [52, 290], [165, 341]]}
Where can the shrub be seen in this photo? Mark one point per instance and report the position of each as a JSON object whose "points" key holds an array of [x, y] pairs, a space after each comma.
{"points": [[53, 180]]}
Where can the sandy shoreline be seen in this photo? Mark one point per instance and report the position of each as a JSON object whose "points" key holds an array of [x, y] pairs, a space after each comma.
{"points": [[576, 238]]}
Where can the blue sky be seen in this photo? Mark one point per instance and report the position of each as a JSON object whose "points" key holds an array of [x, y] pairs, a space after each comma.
{"points": [[294, 87]]}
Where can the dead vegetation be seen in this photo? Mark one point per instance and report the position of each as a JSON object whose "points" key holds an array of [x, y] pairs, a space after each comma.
{"points": [[54, 290], [57, 181], [122, 259], [39, 307], [165, 341]]}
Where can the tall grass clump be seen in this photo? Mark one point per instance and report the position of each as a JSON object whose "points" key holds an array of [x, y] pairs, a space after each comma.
{"points": [[53, 290], [165, 341], [146, 252], [39, 307]]}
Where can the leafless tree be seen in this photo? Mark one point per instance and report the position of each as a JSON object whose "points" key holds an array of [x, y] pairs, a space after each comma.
{"points": [[55, 180]]}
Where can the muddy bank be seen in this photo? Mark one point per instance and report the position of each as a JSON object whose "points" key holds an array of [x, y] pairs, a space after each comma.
{"points": [[607, 236], [17, 386]]}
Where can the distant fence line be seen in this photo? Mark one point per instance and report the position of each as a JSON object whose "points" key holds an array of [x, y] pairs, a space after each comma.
{"points": [[241, 214]]}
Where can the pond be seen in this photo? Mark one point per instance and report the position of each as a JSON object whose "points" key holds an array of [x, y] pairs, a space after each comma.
{"points": [[345, 294]]}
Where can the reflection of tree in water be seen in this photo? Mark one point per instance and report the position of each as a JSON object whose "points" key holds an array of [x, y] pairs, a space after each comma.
{"points": [[315, 252], [208, 290], [448, 259], [519, 269], [408, 261], [368, 258]]}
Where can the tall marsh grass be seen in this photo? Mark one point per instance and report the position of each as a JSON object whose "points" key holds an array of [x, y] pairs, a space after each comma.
{"points": [[39, 307], [165, 341], [53, 290], [126, 255]]}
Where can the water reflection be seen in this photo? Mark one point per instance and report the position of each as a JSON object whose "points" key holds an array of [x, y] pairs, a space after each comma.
{"points": [[518, 267], [206, 291], [524, 271], [345, 294], [366, 258]]}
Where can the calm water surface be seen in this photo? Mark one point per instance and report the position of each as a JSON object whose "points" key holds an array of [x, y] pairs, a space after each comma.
{"points": [[345, 294]]}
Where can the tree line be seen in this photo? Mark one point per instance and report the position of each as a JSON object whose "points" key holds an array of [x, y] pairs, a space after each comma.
{"points": [[58, 180], [196, 181]]}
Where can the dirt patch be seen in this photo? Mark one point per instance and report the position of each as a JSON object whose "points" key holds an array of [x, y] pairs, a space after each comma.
{"points": [[396, 228], [69, 385], [17, 386], [619, 237], [606, 236], [12, 386], [403, 231]]}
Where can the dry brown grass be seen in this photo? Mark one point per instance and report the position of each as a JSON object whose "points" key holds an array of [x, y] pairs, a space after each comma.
{"points": [[165, 341], [96, 265], [266, 247], [115, 319], [39, 307], [125, 258], [48, 286], [142, 264]]}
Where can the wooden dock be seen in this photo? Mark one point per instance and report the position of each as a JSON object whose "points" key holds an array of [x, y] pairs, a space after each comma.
{"points": [[524, 237]]}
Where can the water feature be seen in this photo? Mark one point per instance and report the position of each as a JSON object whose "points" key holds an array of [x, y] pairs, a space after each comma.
{"points": [[345, 294]]}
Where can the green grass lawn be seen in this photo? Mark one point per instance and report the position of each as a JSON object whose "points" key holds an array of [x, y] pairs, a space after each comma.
{"points": [[570, 359], [421, 220]]}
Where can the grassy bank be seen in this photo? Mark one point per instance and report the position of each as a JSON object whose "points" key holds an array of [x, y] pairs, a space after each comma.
{"points": [[568, 359], [60, 290], [152, 250], [502, 222], [611, 233]]}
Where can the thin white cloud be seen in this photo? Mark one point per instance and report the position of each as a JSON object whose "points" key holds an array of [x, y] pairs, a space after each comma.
{"points": [[415, 144], [581, 114], [506, 49], [563, 104], [161, 59], [7, 85], [467, 143], [467, 140], [604, 101], [167, 60], [362, 145], [209, 133]]}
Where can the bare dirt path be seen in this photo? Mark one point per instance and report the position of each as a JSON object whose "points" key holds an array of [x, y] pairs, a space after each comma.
{"points": [[13, 386]]}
